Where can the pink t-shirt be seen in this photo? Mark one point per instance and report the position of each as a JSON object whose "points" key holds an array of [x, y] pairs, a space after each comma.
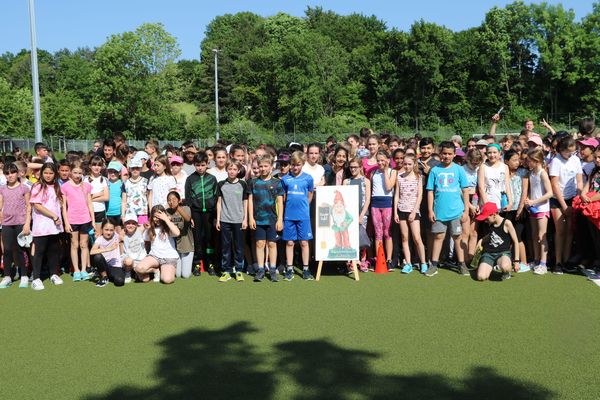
{"points": [[43, 225], [77, 207], [14, 209]]}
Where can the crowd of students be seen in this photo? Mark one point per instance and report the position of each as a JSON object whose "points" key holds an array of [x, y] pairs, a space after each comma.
{"points": [[521, 203]]}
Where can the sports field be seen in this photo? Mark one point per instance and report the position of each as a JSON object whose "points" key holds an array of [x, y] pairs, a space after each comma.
{"points": [[385, 337]]}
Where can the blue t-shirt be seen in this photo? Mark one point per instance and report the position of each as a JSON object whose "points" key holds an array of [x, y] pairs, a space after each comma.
{"points": [[264, 198], [115, 189], [447, 185], [296, 189]]}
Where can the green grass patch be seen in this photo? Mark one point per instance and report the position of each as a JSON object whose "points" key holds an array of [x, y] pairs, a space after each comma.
{"points": [[385, 337]]}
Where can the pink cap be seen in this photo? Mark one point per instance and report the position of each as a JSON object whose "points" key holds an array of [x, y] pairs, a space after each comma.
{"points": [[592, 142], [535, 140], [176, 159]]}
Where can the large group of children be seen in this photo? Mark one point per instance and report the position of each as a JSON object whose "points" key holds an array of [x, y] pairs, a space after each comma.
{"points": [[117, 214]]}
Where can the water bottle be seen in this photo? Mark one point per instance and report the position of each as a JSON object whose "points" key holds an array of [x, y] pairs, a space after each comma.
{"points": [[503, 200]]}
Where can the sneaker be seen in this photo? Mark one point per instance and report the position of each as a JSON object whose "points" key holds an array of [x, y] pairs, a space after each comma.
{"points": [[593, 277], [273, 274], [6, 282], [390, 267], [37, 284], [407, 269], [557, 270], [76, 276], [56, 281], [524, 268], [570, 268], [506, 276], [260, 274], [540, 270], [307, 276], [225, 277], [424, 268], [85, 276], [128, 277], [239, 277], [24, 284], [157, 276], [288, 275], [103, 281], [211, 270], [196, 271], [431, 271], [364, 266], [463, 270]]}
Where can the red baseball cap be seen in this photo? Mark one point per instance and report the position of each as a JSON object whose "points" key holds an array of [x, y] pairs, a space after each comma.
{"points": [[488, 209]]}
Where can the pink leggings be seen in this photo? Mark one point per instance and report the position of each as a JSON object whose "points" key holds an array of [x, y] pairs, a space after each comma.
{"points": [[382, 220]]}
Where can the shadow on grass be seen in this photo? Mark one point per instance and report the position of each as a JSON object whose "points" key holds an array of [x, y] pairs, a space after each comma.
{"points": [[221, 364]]}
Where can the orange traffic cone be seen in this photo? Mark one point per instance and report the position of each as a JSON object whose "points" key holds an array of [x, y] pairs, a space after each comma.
{"points": [[380, 265], [202, 266]]}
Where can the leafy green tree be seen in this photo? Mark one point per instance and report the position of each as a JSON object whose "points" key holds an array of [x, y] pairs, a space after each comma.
{"points": [[16, 111]]}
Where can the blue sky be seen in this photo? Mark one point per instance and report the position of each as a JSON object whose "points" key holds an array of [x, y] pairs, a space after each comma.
{"points": [[76, 23]]}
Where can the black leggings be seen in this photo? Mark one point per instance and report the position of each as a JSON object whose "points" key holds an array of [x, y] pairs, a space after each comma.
{"points": [[203, 237], [117, 275], [11, 248], [45, 246]]}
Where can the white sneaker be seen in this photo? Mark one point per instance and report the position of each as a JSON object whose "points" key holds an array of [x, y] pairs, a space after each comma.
{"points": [[157, 276], [24, 282], [37, 284], [55, 279], [540, 270], [6, 282]]}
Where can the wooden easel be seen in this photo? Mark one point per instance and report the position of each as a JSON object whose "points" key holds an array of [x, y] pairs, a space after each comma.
{"points": [[354, 267]]}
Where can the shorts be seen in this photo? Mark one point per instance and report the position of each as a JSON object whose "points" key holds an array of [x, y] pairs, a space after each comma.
{"points": [[136, 261], [165, 261], [297, 230], [403, 216], [266, 232], [82, 228], [555, 204], [540, 215], [492, 258], [442, 226], [115, 220], [142, 219], [99, 216]]}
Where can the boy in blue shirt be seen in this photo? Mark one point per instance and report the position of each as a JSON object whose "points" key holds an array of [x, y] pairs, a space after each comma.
{"points": [[265, 211], [447, 196], [298, 189]]}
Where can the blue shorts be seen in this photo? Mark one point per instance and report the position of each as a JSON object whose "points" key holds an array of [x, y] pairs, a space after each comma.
{"points": [[297, 230], [266, 232]]}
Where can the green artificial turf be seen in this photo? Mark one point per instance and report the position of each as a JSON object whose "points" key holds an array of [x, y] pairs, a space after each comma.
{"points": [[385, 337]]}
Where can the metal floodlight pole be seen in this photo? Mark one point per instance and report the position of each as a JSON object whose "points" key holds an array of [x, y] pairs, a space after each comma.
{"points": [[216, 51], [37, 116]]}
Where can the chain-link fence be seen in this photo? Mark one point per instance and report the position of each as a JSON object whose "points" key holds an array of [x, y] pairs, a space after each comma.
{"points": [[63, 145]]}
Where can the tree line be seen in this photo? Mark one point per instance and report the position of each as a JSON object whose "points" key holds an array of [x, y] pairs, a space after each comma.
{"points": [[323, 73]]}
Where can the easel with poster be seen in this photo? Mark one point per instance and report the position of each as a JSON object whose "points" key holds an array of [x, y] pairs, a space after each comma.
{"points": [[336, 225]]}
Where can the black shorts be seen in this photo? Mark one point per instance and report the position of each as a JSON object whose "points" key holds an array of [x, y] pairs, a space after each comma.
{"points": [[555, 204], [82, 228], [266, 232], [114, 219], [99, 216], [403, 216]]}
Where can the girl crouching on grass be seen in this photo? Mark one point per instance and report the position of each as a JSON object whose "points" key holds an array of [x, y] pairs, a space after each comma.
{"points": [[106, 256], [163, 257]]}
